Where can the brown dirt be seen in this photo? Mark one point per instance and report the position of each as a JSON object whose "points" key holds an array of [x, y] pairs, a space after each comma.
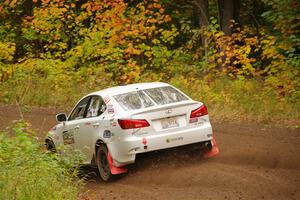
{"points": [[255, 162]]}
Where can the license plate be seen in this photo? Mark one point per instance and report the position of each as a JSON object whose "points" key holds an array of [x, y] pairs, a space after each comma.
{"points": [[169, 122]]}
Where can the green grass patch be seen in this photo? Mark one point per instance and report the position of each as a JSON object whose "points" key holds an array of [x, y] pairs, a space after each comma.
{"points": [[242, 100], [236, 100], [28, 172]]}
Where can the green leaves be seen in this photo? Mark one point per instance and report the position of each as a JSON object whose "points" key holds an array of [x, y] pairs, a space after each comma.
{"points": [[29, 173]]}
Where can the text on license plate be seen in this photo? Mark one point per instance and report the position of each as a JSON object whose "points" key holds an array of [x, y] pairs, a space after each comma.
{"points": [[169, 122]]}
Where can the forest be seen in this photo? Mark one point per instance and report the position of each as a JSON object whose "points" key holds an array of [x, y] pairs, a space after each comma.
{"points": [[241, 56]]}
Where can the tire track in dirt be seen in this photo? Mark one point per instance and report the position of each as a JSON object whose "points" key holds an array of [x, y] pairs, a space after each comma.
{"points": [[255, 162]]}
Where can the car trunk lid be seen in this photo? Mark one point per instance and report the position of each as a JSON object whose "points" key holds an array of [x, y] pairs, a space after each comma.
{"points": [[165, 118]]}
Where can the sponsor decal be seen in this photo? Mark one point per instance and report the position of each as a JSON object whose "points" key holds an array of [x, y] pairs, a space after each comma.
{"points": [[106, 99], [113, 124], [144, 141], [56, 137], [168, 140], [68, 137], [110, 109], [107, 134]]}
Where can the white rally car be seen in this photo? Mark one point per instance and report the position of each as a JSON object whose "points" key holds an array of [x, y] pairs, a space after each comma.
{"points": [[112, 126]]}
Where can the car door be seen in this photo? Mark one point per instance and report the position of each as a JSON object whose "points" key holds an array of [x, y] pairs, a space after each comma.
{"points": [[91, 126], [71, 127]]}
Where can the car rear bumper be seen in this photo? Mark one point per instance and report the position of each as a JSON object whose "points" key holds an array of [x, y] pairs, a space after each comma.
{"points": [[123, 151]]}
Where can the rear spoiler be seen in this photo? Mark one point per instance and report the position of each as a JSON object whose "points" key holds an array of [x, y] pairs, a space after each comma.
{"points": [[161, 107]]}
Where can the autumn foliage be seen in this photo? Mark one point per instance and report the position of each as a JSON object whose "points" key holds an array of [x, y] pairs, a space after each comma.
{"points": [[72, 46]]}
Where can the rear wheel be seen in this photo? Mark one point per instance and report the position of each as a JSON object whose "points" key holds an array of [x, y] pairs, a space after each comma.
{"points": [[103, 164]]}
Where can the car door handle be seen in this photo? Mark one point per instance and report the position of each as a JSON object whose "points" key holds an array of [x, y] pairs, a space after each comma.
{"points": [[76, 127], [96, 124]]}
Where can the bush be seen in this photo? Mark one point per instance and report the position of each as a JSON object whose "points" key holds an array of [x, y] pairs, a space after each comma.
{"points": [[29, 173], [241, 100]]}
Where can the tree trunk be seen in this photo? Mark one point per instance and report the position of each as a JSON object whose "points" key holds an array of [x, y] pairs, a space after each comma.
{"points": [[228, 10], [203, 15], [202, 11]]}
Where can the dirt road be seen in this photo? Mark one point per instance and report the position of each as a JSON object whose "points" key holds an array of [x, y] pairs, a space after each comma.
{"points": [[255, 162]]}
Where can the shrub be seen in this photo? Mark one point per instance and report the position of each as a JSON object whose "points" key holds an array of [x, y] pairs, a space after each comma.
{"points": [[29, 173]]}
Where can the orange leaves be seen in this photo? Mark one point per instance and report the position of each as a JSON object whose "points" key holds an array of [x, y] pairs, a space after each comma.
{"points": [[131, 50], [10, 3], [121, 39], [237, 54], [45, 2], [248, 54]]}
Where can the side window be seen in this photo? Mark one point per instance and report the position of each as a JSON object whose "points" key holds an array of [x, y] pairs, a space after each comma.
{"points": [[80, 111], [96, 107]]}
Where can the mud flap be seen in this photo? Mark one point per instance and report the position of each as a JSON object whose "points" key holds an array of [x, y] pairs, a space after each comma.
{"points": [[214, 151], [113, 169]]}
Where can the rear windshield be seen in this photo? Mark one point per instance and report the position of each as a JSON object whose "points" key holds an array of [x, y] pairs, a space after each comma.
{"points": [[149, 97]]}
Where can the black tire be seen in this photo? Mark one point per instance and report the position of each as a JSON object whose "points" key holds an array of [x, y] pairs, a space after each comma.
{"points": [[50, 145], [103, 164]]}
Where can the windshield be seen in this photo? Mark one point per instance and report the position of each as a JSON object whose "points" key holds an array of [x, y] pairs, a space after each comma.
{"points": [[149, 97]]}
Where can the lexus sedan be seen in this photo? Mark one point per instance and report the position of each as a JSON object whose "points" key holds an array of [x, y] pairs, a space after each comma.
{"points": [[110, 127]]}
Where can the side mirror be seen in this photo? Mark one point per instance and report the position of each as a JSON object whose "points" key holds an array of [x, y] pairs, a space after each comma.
{"points": [[61, 117]]}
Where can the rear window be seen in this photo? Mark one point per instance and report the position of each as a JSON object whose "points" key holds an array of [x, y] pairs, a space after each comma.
{"points": [[133, 100], [149, 97], [165, 95]]}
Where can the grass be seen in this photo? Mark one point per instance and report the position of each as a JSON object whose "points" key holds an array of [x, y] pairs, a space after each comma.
{"points": [[243, 101], [227, 100], [27, 172]]}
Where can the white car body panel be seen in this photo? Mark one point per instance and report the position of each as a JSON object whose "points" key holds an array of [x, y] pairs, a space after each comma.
{"points": [[124, 144]]}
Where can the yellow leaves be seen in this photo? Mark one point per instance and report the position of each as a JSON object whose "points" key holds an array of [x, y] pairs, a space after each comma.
{"points": [[44, 2], [219, 34], [243, 52], [155, 41], [6, 72], [236, 62], [247, 50], [12, 3], [7, 51], [131, 50], [124, 40], [157, 5]]}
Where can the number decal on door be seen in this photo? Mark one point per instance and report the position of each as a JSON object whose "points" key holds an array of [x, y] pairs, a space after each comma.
{"points": [[68, 137]]}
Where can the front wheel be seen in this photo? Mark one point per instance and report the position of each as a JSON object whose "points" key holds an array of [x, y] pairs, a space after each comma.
{"points": [[50, 146], [103, 164]]}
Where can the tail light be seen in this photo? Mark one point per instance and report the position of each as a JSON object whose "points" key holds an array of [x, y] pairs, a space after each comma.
{"points": [[199, 112], [133, 123]]}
